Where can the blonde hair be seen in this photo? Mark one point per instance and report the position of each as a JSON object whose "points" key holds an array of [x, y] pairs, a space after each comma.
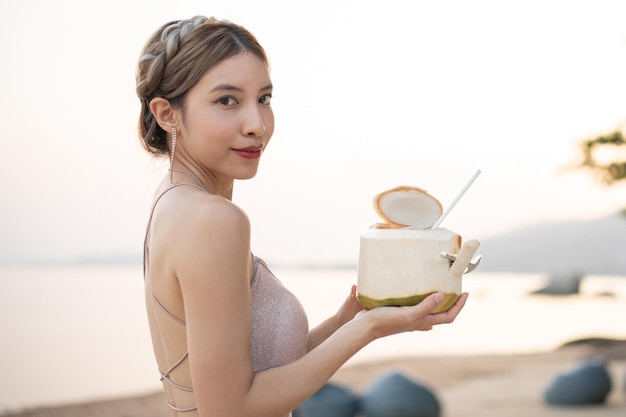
{"points": [[174, 59]]}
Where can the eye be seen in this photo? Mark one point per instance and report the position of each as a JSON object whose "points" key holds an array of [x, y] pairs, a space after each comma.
{"points": [[265, 99], [227, 101]]}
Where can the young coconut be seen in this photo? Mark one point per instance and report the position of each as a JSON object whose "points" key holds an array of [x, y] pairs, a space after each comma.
{"points": [[400, 261]]}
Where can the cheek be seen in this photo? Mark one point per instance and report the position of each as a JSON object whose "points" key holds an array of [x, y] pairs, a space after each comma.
{"points": [[216, 130], [219, 131], [269, 124], [207, 137]]}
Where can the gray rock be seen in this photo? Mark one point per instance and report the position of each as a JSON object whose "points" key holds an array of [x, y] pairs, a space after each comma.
{"points": [[588, 383], [562, 284], [332, 400], [297, 413], [395, 395]]}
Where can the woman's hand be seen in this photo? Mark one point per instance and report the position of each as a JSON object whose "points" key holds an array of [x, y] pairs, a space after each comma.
{"points": [[349, 308], [386, 321]]}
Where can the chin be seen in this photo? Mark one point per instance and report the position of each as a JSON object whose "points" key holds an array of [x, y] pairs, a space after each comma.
{"points": [[246, 174]]}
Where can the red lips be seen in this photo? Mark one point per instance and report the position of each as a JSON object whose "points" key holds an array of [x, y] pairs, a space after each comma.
{"points": [[251, 152]]}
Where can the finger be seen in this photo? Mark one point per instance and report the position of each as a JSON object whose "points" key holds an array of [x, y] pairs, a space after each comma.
{"points": [[450, 315], [459, 303], [432, 301], [423, 310]]}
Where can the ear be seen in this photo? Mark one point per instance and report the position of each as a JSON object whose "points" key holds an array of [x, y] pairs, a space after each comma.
{"points": [[163, 113]]}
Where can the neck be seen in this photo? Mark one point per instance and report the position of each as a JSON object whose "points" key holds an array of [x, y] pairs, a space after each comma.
{"points": [[197, 180], [215, 188]]}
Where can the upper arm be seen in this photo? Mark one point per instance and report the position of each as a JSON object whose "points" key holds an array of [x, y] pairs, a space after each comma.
{"points": [[214, 275]]}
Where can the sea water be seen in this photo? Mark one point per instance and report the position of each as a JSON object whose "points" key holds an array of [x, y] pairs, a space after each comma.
{"points": [[73, 334]]}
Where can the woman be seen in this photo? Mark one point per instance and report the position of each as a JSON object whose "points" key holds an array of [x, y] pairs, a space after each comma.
{"points": [[228, 338]]}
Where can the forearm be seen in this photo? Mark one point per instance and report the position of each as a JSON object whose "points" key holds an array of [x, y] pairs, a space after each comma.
{"points": [[347, 311], [323, 331]]}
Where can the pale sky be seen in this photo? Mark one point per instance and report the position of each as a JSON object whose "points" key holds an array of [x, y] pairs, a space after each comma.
{"points": [[368, 95]]}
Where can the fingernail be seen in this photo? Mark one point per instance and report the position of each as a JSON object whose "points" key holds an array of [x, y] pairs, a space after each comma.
{"points": [[438, 297]]}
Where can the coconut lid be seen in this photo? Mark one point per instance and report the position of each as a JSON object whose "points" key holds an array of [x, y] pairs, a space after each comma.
{"points": [[407, 206]]}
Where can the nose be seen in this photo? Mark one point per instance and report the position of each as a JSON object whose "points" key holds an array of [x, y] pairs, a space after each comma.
{"points": [[254, 124]]}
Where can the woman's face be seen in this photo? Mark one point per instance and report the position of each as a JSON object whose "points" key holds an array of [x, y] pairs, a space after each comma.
{"points": [[228, 120]]}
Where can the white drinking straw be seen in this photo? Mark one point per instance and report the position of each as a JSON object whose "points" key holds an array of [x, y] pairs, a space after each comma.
{"points": [[456, 200]]}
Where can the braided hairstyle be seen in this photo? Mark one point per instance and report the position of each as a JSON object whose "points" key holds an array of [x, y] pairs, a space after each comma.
{"points": [[174, 59]]}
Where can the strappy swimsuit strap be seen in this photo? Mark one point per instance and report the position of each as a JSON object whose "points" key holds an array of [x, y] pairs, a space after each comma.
{"points": [[145, 241], [174, 384], [165, 375], [166, 311], [180, 410], [146, 252]]}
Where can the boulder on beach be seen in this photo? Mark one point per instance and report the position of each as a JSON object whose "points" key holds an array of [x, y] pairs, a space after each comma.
{"points": [[562, 284], [588, 383], [332, 400], [395, 395]]}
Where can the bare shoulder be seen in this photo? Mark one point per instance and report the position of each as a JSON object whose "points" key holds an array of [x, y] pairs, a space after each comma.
{"points": [[205, 219]]}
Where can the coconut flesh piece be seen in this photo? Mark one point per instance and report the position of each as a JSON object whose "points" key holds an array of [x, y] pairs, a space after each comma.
{"points": [[408, 206], [400, 260]]}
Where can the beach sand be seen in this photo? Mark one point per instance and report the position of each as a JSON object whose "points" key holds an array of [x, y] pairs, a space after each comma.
{"points": [[466, 386]]}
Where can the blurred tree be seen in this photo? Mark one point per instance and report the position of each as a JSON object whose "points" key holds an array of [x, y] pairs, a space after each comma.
{"points": [[612, 170]]}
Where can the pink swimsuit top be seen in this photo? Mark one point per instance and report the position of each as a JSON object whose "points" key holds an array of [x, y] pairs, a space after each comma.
{"points": [[279, 324]]}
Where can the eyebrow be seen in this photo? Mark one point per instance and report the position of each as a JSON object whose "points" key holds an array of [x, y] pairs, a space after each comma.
{"points": [[230, 87]]}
